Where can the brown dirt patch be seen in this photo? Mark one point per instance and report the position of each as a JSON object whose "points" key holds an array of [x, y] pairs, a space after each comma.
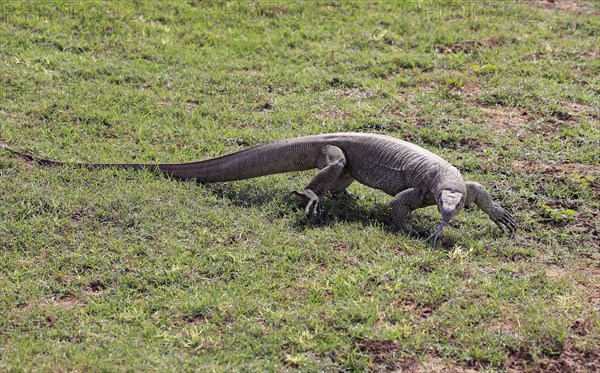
{"points": [[335, 115], [503, 118], [568, 5], [572, 211], [586, 278], [68, 301], [192, 103], [497, 117], [411, 307], [339, 245], [164, 102], [576, 109], [461, 46], [570, 112], [573, 356], [344, 248], [354, 93], [264, 107], [573, 215], [196, 318], [386, 356], [436, 364], [96, 286], [500, 42], [572, 359], [591, 54], [559, 169], [384, 353]]}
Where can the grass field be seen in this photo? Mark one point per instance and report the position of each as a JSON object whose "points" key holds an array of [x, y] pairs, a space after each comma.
{"points": [[112, 270]]}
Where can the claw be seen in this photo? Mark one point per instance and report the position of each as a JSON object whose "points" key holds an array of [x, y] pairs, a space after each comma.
{"points": [[343, 194], [509, 222], [504, 219], [314, 207]]}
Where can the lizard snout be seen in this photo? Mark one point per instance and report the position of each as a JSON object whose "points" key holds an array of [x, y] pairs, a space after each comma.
{"points": [[450, 203]]}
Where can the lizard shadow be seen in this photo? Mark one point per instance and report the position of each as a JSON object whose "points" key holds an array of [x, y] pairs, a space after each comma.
{"points": [[336, 208], [341, 208]]}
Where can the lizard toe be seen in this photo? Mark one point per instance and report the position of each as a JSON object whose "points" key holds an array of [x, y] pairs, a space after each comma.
{"points": [[413, 233], [314, 207], [503, 219], [508, 222]]}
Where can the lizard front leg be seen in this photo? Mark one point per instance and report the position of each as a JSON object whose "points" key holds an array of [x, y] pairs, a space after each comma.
{"points": [[401, 207], [482, 198], [331, 164]]}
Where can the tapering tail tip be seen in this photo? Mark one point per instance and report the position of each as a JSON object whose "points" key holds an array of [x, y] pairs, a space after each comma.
{"points": [[5, 146]]}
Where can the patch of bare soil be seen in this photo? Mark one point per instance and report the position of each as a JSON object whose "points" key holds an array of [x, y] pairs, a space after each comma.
{"points": [[436, 364], [460, 46], [518, 120], [578, 216], [568, 5], [586, 278], [503, 118], [570, 113], [96, 286], [576, 175], [571, 357], [579, 353], [355, 93], [410, 306], [497, 117], [384, 353], [558, 169], [334, 114], [500, 42], [582, 225], [69, 301], [576, 109], [386, 356], [196, 318]]}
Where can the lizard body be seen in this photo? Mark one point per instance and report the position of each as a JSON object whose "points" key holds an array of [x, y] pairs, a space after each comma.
{"points": [[414, 176]]}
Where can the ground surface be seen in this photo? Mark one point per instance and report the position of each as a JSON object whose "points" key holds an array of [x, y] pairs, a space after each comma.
{"points": [[114, 270]]}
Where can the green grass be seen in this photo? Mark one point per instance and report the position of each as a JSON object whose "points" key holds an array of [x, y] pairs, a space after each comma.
{"points": [[113, 270]]}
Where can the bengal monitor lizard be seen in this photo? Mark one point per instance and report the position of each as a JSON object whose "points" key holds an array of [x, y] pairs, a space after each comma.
{"points": [[414, 176]]}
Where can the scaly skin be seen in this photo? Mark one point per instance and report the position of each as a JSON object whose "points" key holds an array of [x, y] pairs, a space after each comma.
{"points": [[415, 177]]}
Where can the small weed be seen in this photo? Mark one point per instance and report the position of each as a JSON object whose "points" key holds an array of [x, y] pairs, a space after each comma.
{"points": [[484, 69], [550, 214]]}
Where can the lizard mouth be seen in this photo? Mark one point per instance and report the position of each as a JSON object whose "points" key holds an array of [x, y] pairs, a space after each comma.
{"points": [[437, 233], [450, 202]]}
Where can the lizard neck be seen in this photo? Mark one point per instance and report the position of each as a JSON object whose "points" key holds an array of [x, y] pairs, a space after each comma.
{"points": [[449, 179]]}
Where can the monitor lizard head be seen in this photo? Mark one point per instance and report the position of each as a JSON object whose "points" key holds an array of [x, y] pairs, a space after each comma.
{"points": [[449, 203]]}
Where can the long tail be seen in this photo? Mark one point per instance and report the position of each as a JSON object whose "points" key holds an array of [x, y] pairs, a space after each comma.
{"points": [[272, 158], [42, 161]]}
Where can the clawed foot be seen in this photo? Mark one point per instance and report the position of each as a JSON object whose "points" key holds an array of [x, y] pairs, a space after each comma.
{"points": [[342, 194], [503, 219], [314, 206], [413, 233]]}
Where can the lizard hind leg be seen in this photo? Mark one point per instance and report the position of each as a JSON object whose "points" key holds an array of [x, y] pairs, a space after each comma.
{"points": [[331, 164], [339, 188]]}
